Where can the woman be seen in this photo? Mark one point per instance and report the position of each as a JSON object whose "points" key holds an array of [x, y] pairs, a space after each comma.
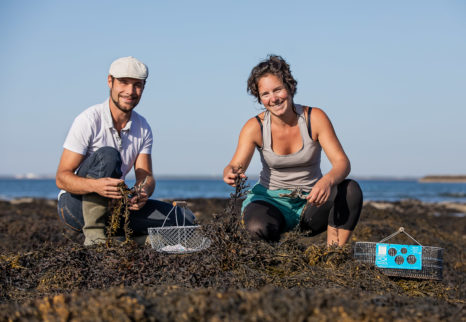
{"points": [[292, 190]]}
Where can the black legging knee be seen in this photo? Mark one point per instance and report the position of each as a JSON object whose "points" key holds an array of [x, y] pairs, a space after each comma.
{"points": [[343, 213], [263, 221]]}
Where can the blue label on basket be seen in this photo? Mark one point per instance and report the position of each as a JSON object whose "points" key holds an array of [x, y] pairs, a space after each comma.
{"points": [[398, 256]]}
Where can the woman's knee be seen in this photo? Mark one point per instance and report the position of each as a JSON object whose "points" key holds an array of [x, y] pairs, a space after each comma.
{"points": [[263, 221], [349, 191], [256, 228], [348, 205], [353, 190]]}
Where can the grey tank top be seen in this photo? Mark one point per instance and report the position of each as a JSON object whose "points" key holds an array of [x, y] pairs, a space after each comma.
{"points": [[297, 170]]}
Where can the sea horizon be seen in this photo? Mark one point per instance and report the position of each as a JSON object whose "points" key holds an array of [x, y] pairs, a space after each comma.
{"points": [[33, 176], [191, 187]]}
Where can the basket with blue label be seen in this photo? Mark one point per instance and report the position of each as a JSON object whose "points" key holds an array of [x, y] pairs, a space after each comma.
{"points": [[414, 261]]}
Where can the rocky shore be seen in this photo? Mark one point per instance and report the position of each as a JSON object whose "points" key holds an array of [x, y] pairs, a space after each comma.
{"points": [[45, 273], [444, 178]]}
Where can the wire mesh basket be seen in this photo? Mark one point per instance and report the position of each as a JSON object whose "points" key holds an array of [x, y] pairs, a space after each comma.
{"points": [[181, 238], [413, 261]]}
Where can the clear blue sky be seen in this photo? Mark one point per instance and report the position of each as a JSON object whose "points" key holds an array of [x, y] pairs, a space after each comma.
{"points": [[391, 75]]}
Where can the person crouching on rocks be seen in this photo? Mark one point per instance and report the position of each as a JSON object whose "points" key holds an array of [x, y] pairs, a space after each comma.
{"points": [[292, 190], [103, 144]]}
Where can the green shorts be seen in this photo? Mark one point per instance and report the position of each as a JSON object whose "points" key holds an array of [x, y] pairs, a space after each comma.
{"points": [[291, 208]]}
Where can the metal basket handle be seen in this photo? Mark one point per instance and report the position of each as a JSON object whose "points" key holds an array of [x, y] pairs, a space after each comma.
{"points": [[181, 204], [400, 230]]}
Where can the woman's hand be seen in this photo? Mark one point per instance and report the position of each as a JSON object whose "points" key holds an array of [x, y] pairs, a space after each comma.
{"points": [[320, 193], [230, 175]]}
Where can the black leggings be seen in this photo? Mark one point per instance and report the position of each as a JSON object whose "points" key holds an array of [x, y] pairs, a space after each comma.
{"points": [[265, 221]]}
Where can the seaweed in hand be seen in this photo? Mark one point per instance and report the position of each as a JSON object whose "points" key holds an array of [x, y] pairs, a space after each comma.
{"points": [[120, 207], [240, 190]]}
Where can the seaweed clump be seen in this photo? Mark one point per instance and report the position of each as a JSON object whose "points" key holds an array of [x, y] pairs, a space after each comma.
{"points": [[240, 191], [236, 278], [120, 208]]}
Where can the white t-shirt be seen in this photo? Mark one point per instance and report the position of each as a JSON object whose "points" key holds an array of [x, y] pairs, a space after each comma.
{"points": [[93, 129]]}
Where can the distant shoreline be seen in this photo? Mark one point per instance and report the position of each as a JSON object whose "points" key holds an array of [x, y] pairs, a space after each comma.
{"points": [[255, 177], [447, 179], [252, 177]]}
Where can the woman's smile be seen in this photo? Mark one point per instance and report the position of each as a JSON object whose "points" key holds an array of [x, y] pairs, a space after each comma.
{"points": [[273, 94]]}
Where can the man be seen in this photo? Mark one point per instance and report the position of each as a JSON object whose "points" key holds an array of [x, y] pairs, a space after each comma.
{"points": [[103, 144]]}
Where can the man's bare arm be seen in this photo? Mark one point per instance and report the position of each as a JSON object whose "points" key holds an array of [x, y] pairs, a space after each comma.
{"points": [[144, 180], [143, 171], [67, 180]]}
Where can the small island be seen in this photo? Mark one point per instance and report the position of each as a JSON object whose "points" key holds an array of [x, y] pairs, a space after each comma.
{"points": [[444, 178]]}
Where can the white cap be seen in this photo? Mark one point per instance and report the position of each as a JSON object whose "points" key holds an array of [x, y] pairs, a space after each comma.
{"points": [[128, 67]]}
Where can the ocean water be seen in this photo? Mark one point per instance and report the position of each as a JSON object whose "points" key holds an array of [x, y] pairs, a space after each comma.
{"points": [[375, 190]]}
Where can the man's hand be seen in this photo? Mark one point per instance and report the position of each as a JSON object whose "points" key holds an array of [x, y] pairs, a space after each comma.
{"points": [[108, 187], [138, 201]]}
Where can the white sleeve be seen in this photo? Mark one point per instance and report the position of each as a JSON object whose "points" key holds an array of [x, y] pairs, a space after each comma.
{"points": [[79, 136], [147, 142]]}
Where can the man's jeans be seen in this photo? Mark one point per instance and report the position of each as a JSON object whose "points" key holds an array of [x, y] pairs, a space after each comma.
{"points": [[106, 162]]}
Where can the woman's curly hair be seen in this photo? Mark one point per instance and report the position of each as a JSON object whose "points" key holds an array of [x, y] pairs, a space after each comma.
{"points": [[274, 65]]}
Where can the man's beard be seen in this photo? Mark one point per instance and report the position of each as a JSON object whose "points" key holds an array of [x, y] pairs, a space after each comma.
{"points": [[120, 107]]}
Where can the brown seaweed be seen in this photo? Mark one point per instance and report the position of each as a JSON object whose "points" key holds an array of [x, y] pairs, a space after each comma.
{"points": [[44, 275]]}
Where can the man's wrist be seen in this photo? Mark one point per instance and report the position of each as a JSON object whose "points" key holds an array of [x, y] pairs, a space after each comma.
{"points": [[91, 183]]}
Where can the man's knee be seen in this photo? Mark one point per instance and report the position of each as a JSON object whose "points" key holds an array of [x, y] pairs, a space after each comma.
{"points": [[108, 155], [69, 211], [104, 162]]}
